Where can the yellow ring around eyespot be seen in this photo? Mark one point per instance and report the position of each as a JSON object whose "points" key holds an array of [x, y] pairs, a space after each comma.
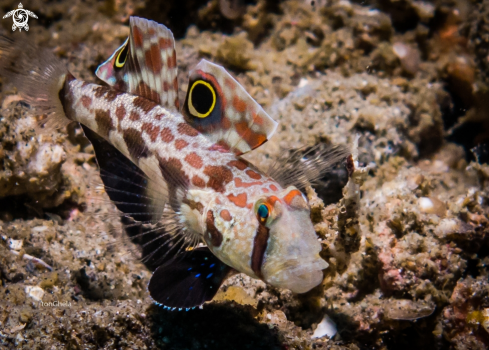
{"points": [[117, 63], [191, 107]]}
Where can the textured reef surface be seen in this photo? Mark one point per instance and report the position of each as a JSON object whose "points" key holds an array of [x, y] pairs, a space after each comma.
{"points": [[406, 236]]}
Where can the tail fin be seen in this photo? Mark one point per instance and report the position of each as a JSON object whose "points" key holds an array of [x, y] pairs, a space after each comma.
{"points": [[39, 77]]}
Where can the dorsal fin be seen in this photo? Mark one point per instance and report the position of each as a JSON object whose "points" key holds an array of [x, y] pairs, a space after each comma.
{"points": [[145, 65], [220, 108]]}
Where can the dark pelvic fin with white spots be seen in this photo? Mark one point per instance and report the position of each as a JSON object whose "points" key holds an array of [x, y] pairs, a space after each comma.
{"points": [[305, 166], [190, 282], [145, 65], [220, 108]]}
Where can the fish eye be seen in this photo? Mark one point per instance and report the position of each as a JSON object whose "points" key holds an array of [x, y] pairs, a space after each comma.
{"points": [[263, 212], [201, 99], [122, 56]]}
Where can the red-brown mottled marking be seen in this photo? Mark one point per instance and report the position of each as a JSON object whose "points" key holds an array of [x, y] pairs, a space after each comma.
{"points": [[194, 205], [171, 61], [165, 43], [166, 135], [120, 112], [86, 101], [145, 90], [134, 116], [104, 122], [198, 181], [273, 187], [239, 200], [225, 215], [194, 160], [180, 144], [253, 174], [238, 104], [219, 176], [239, 164], [138, 36], [152, 130], [291, 195], [239, 183], [135, 143], [216, 236], [143, 103], [153, 59], [184, 128]]}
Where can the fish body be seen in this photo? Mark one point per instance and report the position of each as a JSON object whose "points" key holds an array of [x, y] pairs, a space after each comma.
{"points": [[176, 174]]}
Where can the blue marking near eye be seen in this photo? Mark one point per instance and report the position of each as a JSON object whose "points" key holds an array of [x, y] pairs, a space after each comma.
{"points": [[212, 265], [209, 275], [197, 275], [263, 211]]}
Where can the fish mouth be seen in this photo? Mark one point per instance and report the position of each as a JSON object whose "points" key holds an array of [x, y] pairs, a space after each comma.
{"points": [[298, 275]]}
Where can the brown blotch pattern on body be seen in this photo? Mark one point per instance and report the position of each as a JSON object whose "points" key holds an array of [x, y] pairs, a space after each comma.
{"points": [[86, 101], [152, 130], [134, 116], [219, 176], [99, 91], [112, 94], [260, 243], [104, 122], [194, 160], [240, 200], [216, 236], [166, 135], [143, 103], [239, 164], [185, 129], [194, 205], [197, 181], [180, 144], [120, 112], [253, 174], [225, 215], [175, 177], [135, 143]]}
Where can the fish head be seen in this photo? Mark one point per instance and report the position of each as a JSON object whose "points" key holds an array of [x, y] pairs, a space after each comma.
{"points": [[273, 239], [291, 259]]}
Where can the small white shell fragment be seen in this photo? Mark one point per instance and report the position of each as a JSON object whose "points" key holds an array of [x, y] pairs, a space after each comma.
{"points": [[326, 327], [35, 292], [430, 205], [405, 309], [15, 244]]}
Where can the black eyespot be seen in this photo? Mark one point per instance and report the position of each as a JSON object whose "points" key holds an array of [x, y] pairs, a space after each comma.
{"points": [[122, 56], [202, 99]]}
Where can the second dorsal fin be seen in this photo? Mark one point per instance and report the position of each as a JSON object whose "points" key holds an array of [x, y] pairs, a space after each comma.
{"points": [[220, 108], [145, 65]]}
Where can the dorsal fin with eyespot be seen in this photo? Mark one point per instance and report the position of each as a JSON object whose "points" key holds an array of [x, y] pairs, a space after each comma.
{"points": [[145, 65], [220, 108]]}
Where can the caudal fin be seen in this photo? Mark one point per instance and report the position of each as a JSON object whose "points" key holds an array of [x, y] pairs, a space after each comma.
{"points": [[39, 77]]}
